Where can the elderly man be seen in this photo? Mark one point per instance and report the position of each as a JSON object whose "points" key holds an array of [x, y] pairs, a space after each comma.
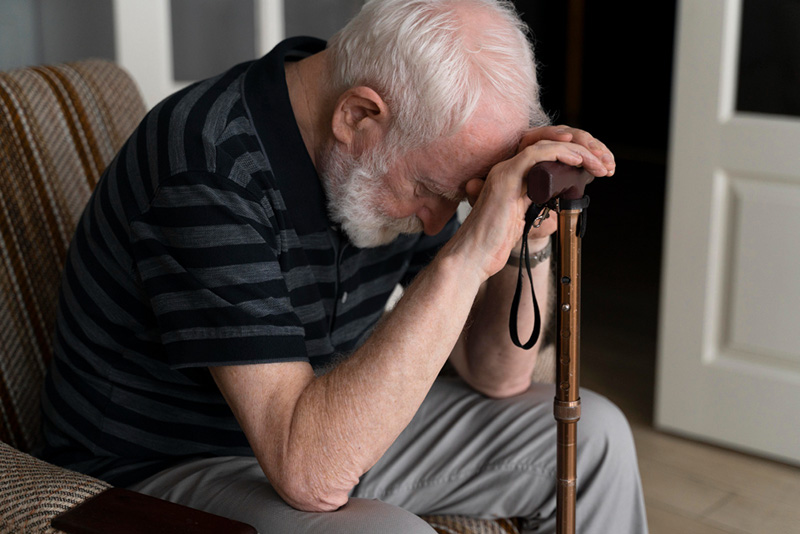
{"points": [[220, 340]]}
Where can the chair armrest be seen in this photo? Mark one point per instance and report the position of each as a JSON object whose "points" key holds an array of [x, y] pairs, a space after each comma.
{"points": [[450, 524], [33, 492]]}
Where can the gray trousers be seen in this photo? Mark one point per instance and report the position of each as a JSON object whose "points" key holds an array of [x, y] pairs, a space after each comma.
{"points": [[461, 454]]}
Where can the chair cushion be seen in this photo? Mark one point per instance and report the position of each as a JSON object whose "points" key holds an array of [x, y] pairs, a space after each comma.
{"points": [[32, 492], [452, 524]]}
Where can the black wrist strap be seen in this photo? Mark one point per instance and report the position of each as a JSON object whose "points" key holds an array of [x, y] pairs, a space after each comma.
{"points": [[530, 218]]}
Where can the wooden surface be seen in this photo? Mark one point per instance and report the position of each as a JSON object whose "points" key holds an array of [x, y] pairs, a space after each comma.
{"points": [[695, 488], [689, 487], [127, 512]]}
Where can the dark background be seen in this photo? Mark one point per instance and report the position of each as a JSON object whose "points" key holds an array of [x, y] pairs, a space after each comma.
{"points": [[606, 67]]}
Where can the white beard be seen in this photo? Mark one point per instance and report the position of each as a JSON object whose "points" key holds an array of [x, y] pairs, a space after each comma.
{"points": [[354, 188]]}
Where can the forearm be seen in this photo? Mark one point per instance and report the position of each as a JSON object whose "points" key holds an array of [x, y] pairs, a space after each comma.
{"points": [[485, 356], [344, 421]]}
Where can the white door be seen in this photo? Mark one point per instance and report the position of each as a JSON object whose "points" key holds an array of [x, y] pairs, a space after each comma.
{"points": [[729, 347]]}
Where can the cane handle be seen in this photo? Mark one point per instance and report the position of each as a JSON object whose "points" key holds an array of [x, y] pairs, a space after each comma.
{"points": [[552, 179]]}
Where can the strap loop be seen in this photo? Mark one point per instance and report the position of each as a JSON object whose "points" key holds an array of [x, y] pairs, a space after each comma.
{"points": [[530, 218], [536, 212]]}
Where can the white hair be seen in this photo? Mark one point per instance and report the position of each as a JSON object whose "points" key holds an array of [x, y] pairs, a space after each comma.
{"points": [[435, 61]]}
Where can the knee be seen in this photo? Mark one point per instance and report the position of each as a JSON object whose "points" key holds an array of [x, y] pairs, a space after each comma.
{"points": [[358, 515], [609, 487], [604, 430], [370, 515]]}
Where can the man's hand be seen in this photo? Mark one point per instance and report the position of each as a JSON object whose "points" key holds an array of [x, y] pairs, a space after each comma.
{"points": [[583, 150], [551, 143], [580, 137], [607, 165]]}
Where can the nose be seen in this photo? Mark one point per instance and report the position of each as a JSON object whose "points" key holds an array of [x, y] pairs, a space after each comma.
{"points": [[435, 215]]}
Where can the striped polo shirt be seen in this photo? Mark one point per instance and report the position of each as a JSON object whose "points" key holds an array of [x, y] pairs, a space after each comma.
{"points": [[205, 243]]}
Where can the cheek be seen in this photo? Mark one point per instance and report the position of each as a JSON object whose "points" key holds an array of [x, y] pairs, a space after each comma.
{"points": [[400, 208], [398, 199]]}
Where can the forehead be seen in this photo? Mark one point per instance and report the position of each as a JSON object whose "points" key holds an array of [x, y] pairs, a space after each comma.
{"points": [[480, 144]]}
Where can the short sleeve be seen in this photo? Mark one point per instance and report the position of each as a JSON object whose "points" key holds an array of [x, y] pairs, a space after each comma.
{"points": [[206, 252], [426, 248]]}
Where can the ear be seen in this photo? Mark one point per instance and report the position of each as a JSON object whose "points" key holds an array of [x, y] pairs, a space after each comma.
{"points": [[360, 119]]}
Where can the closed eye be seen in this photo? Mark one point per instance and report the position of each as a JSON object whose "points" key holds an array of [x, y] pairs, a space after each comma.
{"points": [[433, 189]]}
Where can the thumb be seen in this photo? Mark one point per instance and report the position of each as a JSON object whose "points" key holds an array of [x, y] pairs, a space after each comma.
{"points": [[473, 189]]}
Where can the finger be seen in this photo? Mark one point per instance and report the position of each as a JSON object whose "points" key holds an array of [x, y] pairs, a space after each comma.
{"points": [[597, 147], [606, 156], [584, 138], [589, 161], [599, 162], [569, 153], [551, 133], [563, 129]]}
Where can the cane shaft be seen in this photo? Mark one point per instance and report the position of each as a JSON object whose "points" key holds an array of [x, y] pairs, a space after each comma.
{"points": [[567, 480], [567, 402]]}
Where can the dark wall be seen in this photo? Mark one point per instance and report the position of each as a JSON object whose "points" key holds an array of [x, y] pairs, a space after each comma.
{"points": [[607, 68], [624, 63], [548, 24]]}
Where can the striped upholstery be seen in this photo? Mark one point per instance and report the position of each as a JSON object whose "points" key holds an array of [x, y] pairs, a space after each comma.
{"points": [[449, 524], [32, 492], [59, 127]]}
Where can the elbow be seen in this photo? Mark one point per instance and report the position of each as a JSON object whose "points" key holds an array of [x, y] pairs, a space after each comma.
{"points": [[309, 492], [306, 499], [311, 502]]}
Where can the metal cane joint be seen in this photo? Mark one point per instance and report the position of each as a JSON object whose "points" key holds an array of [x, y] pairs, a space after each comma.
{"points": [[567, 411]]}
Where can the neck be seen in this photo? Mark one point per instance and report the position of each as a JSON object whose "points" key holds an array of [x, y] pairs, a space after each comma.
{"points": [[306, 82]]}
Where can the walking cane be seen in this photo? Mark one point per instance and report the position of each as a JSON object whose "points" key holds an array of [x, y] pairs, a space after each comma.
{"points": [[554, 186]]}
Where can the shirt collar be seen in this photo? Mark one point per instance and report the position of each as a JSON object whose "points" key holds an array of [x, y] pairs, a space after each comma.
{"points": [[266, 97]]}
